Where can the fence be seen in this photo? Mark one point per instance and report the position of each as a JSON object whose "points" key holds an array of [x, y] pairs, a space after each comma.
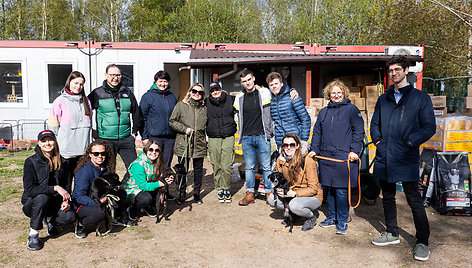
{"points": [[454, 88], [15, 130]]}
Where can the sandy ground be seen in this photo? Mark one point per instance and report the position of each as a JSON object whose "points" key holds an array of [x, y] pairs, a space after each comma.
{"points": [[227, 235]]}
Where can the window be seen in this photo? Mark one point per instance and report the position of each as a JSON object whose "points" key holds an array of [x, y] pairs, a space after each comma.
{"points": [[11, 88], [57, 76], [127, 77]]}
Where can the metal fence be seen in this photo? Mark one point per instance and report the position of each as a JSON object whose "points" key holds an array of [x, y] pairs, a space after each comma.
{"points": [[12, 131], [454, 88]]}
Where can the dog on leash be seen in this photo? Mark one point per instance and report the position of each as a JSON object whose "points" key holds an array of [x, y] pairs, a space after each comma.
{"points": [[280, 182], [162, 192], [109, 186]]}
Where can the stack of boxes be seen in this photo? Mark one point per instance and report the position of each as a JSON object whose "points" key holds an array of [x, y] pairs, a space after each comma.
{"points": [[453, 133], [468, 101], [439, 105]]}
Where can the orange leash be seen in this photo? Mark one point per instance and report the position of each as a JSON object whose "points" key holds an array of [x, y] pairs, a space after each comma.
{"points": [[349, 178]]}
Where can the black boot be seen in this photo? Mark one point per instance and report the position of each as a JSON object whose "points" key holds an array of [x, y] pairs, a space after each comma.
{"points": [[197, 199]]}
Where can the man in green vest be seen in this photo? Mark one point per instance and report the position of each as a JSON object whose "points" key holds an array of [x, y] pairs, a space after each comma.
{"points": [[115, 107]]}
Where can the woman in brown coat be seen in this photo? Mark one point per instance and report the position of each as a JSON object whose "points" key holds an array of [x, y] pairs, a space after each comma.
{"points": [[305, 188]]}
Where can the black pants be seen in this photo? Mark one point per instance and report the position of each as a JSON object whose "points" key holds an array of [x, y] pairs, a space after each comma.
{"points": [[197, 176], [69, 166], [145, 199], [44, 205], [167, 147], [90, 215], [413, 198], [125, 148]]}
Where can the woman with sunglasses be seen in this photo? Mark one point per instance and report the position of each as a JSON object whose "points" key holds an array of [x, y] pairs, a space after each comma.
{"points": [[338, 134], [97, 160], [142, 180], [70, 119], [301, 172], [46, 193], [189, 120]]}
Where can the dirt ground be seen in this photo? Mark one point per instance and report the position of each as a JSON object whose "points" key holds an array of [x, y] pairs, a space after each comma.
{"points": [[227, 235]]}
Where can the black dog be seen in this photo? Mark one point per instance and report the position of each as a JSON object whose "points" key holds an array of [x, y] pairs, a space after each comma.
{"points": [[109, 186], [161, 198], [280, 182]]}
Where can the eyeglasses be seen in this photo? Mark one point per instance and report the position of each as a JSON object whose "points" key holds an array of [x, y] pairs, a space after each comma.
{"points": [[396, 70], [289, 145], [96, 154], [336, 93], [152, 150], [200, 92], [115, 75]]}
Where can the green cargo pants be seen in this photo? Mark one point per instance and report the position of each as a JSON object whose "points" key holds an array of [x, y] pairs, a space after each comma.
{"points": [[221, 151]]}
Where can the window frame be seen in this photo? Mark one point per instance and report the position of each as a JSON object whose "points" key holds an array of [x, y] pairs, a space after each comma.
{"points": [[135, 72], [24, 83], [72, 62]]}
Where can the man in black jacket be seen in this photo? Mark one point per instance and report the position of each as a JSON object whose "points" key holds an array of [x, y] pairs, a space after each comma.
{"points": [[402, 121], [114, 103]]}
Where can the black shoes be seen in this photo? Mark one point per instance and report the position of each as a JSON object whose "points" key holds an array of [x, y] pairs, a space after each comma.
{"points": [[80, 231], [51, 228], [309, 223], [34, 243], [197, 199]]}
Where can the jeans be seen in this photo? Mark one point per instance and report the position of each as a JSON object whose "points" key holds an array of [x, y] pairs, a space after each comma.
{"points": [[44, 205], [260, 145], [415, 202], [338, 206], [301, 206], [221, 152], [125, 148], [167, 148]]}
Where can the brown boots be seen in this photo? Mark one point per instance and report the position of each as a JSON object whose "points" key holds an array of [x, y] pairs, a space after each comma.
{"points": [[248, 199]]}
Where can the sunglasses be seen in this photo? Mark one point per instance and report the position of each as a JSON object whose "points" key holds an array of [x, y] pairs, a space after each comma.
{"points": [[152, 150], [289, 145], [98, 153], [194, 91]]}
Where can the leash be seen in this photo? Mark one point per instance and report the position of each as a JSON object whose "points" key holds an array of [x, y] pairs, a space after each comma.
{"points": [[349, 178], [188, 139], [110, 213]]}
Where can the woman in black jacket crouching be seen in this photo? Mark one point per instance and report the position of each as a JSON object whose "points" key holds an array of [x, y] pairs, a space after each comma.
{"points": [[47, 190]]}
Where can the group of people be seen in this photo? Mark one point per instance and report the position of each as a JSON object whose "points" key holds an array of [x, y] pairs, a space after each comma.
{"points": [[403, 119]]}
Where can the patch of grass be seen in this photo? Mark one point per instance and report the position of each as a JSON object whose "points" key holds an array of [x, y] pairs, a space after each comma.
{"points": [[22, 238], [11, 172], [9, 222], [7, 161], [142, 232], [6, 257], [9, 192]]}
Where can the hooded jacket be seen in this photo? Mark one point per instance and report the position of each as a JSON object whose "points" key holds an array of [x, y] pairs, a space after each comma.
{"points": [[192, 116], [156, 108], [289, 116], [36, 174], [339, 130], [73, 134], [220, 114], [113, 108], [264, 101], [399, 130]]}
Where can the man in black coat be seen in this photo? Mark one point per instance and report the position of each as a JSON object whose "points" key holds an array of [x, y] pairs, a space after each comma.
{"points": [[402, 121]]}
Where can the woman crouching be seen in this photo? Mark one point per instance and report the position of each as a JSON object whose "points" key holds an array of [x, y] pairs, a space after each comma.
{"points": [[46, 193], [302, 175]]}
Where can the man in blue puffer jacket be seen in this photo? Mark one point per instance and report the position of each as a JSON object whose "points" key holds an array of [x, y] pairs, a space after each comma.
{"points": [[289, 116]]}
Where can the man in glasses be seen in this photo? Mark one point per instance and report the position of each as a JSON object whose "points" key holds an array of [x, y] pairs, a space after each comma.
{"points": [[289, 116], [402, 121], [115, 108]]}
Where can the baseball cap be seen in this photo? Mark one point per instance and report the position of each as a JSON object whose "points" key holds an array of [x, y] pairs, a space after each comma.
{"points": [[46, 133], [214, 85]]}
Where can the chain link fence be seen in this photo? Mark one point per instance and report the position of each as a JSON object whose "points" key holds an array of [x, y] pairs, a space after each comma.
{"points": [[454, 88]]}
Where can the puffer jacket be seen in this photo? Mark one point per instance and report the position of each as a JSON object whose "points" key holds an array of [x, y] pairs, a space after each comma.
{"points": [[74, 125], [36, 174], [220, 114], [289, 116], [399, 130], [156, 107], [192, 116], [306, 182], [140, 177], [339, 130]]}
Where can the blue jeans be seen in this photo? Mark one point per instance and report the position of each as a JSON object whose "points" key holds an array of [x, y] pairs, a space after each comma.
{"points": [[252, 145], [338, 205]]}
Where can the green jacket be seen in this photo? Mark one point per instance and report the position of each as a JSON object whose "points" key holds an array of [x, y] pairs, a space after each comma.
{"points": [[139, 177], [192, 116], [113, 110]]}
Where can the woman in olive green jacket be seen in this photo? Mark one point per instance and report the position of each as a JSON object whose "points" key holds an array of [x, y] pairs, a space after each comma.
{"points": [[189, 120]]}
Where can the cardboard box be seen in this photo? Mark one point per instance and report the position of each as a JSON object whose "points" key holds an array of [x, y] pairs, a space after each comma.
{"points": [[439, 101], [371, 92], [469, 91], [440, 111], [358, 102], [370, 105], [318, 102], [347, 80], [355, 89], [468, 102], [354, 95], [364, 80]]}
